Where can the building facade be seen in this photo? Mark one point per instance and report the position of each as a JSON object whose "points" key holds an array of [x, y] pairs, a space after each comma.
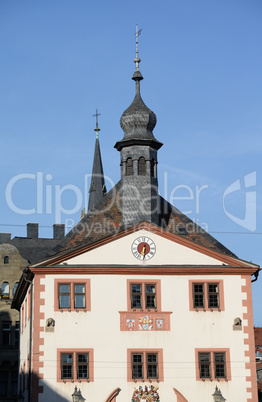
{"points": [[139, 304], [11, 266]]}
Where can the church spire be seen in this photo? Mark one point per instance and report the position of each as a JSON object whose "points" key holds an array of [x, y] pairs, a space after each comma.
{"points": [[97, 187]]}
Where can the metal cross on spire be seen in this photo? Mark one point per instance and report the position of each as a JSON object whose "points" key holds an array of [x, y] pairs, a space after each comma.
{"points": [[137, 59], [96, 116]]}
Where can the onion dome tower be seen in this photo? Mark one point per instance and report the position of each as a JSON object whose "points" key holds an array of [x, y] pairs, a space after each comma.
{"points": [[138, 154], [97, 187]]}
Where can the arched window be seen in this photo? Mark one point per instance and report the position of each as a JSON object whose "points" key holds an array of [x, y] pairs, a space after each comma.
{"points": [[129, 167], [5, 290], [6, 259], [141, 166], [14, 288], [152, 168]]}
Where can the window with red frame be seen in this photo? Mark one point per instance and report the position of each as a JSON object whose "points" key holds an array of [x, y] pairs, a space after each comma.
{"points": [[143, 295], [206, 295], [145, 365], [79, 295], [212, 365], [74, 365]]}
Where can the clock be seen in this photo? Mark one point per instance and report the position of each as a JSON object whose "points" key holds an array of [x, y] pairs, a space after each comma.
{"points": [[143, 248]]}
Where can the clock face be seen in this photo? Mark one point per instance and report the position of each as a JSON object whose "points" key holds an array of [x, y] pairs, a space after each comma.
{"points": [[143, 248]]}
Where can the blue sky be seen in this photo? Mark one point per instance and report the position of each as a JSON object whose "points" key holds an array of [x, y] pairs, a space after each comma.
{"points": [[201, 62]]}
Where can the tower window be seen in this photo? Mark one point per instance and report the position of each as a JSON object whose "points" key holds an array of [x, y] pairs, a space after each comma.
{"points": [[129, 167], [142, 166], [152, 168], [6, 259]]}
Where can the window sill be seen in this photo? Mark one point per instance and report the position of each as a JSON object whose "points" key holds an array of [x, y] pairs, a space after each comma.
{"points": [[219, 379], [73, 310], [72, 380], [211, 309]]}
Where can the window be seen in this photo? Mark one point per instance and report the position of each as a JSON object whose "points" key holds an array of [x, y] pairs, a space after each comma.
{"points": [[206, 295], [75, 365], [3, 383], [145, 365], [6, 333], [151, 365], [17, 331], [6, 259], [14, 382], [72, 296], [141, 166], [64, 296], [152, 168], [213, 364], [14, 288], [71, 363], [204, 365], [79, 291], [5, 290], [213, 295], [143, 295], [129, 167]]}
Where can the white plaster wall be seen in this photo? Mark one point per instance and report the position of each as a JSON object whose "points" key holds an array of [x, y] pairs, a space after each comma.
{"points": [[24, 341], [100, 329], [167, 252]]}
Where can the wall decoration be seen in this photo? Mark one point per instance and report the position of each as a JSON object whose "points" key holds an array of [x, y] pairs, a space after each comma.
{"points": [[145, 323], [130, 324], [149, 394]]}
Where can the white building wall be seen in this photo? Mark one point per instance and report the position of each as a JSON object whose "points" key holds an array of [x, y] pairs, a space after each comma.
{"points": [[100, 329], [24, 352]]}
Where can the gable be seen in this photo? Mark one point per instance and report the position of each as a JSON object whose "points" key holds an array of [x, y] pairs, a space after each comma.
{"points": [[160, 251]]}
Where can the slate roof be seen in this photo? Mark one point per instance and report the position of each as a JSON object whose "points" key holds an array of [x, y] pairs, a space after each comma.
{"points": [[98, 187], [34, 249], [106, 220]]}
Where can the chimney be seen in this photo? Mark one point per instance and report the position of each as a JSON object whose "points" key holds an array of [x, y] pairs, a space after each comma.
{"points": [[32, 230], [59, 230], [5, 237]]}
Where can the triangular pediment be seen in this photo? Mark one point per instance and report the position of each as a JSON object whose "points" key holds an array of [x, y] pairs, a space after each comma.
{"points": [[144, 244]]}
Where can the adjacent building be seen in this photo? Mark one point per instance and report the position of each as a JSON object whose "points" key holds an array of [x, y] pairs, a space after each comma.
{"points": [[15, 256]]}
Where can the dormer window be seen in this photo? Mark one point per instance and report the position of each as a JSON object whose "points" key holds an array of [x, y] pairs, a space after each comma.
{"points": [[129, 167], [6, 259], [142, 166]]}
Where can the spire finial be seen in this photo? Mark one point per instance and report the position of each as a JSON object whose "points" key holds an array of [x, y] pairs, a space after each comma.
{"points": [[96, 116], [137, 59]]}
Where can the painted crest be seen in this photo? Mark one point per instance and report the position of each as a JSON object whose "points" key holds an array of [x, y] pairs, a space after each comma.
{"points": [[159, 323], [145, 323], [149, 394], [130, 324]]}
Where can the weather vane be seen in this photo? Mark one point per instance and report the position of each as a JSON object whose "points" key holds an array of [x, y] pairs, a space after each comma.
{"points": [[137, 59], [96, 116]]}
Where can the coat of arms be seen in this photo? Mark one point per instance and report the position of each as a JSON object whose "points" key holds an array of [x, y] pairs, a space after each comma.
{"points": [[145, 323], [160, 323], [147, 394], [130, 324]]}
